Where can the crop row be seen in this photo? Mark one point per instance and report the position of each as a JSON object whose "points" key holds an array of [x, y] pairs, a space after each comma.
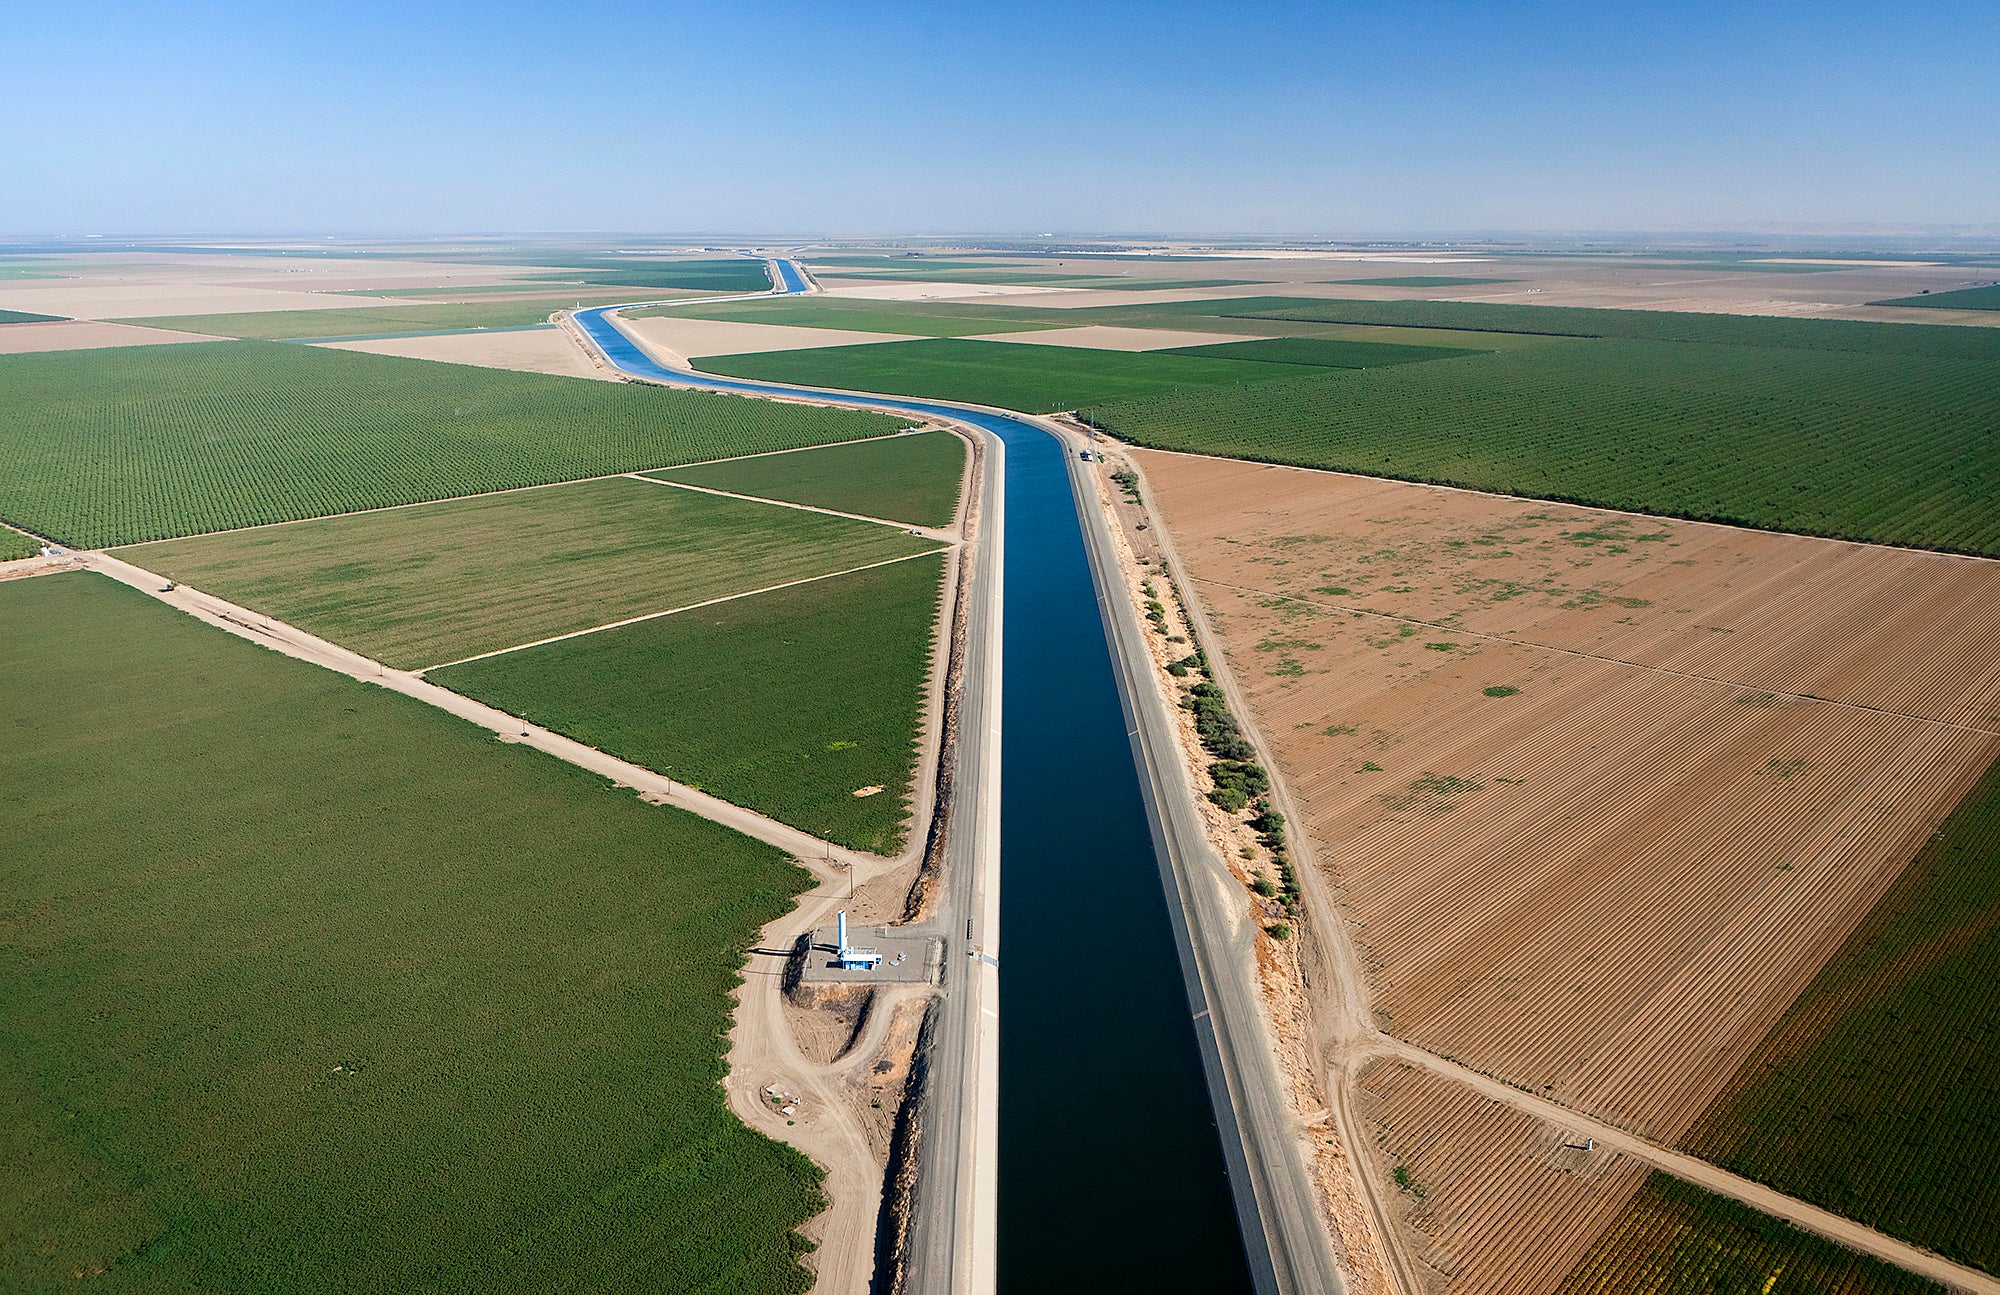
{"points": [[1675, 1239], [1878, 1094], [1854, 446], [802, 703], [310, 988], [1914, 341], [140, 443]]}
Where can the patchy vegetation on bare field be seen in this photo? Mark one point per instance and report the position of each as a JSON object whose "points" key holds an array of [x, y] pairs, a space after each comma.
{"points": [[1676, 1239], [903, 478], [312, 987], [145, 442], [1878, 1094], [787, 702]]}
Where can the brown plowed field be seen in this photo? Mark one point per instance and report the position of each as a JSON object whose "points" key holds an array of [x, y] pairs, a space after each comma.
{"points": [[1508, 1205], [1607, 885]]}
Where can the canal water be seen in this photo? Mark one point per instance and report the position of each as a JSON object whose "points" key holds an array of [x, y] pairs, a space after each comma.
{"points": [[1111, 1172]]}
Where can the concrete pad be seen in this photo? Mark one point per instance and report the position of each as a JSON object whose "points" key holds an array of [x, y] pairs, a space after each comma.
{"points": [[692, 338], [864, 290], [1098, 337], [85, 335], [527, 350]]}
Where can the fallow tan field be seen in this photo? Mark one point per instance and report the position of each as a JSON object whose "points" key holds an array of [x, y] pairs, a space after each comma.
{"points": [[1598, 793]]}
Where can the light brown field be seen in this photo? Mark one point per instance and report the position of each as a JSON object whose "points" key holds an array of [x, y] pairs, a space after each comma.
{"points": [[692, 338], [529, 350], [85, 335], [1502, 1203], [1608, 887]]}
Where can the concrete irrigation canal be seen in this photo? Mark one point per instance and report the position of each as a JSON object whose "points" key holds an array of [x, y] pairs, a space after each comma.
{"points": [[1112, 1173]]}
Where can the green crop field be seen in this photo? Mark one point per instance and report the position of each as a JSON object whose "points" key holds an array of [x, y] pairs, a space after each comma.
{"points": [[786, 702], [139, 443], [1960, 299], [580, 288], [1878, 447], [27, 317], [1674, 1239], [1786, 333], [903, 478], [1878, 1094], [919, 272], [13, 545], [1421, 281], [415, 587], [730, 274], [1037, 379], [365, 321], [310, 987], [1321, 352], [919, 319]]}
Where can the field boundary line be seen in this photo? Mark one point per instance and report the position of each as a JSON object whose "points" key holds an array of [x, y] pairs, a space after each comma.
{"points": [[928, 532], [1553, 503], [824, 859], [477, 494], [1600, 657], [675, 611], [1704, 1174]]}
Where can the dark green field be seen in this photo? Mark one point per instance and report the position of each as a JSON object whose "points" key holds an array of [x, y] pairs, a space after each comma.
{"points": [[1674, 1239], [27, 317], [728, 274], [1960, 299], [1321, 352], [1786, 333], [902, 478], [310, 987], [138, 443], [364, 321], [1878, 1094], [786, 702], [13, 545], [919, 319], [1886, 447], [1422, 281], [416, 587], [1036, 379]]}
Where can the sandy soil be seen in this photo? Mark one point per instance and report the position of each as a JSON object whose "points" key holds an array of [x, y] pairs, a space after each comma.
{"points": [[1605, 887], [536, 350], [85, 335], [690, 338], [87, 299], [1098, 337]]}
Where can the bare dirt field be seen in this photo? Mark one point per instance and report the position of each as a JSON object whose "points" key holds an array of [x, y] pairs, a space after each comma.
{"points": [[1100, 337], [1598, 793], [692, 338], [85, 335], [528, 350], [1499, 1202]]}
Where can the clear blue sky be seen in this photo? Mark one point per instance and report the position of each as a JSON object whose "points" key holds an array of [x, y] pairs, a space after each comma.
{"points": [[828, 118]]}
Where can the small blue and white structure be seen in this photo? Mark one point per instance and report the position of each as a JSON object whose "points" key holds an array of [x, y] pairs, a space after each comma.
{"points": [[848, 959]]}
